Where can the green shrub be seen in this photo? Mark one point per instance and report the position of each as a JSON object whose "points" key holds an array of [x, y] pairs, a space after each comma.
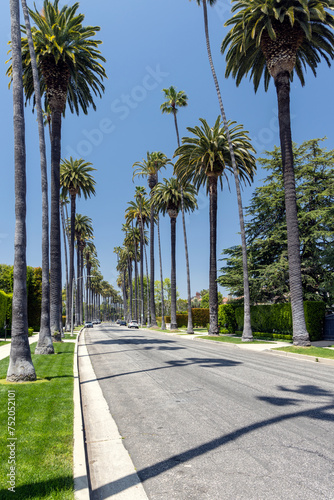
{"points": [[314, 317], [3, 308], [201, 317], [277, 319], [226, 318], [30, 332]]}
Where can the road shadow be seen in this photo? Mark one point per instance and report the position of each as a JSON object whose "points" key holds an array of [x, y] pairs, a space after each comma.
{"points": [[146, 473]]}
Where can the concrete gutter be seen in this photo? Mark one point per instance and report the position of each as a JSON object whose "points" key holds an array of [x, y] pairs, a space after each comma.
{"points": [[112, 473]]}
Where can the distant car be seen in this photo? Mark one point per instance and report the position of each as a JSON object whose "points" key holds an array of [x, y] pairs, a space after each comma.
{"points": [[96, 321], [133, 324], [118, 321], [122, 322], [89, 324]]}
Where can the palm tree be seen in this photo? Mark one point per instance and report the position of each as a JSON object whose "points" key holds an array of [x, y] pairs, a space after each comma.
{"points": [[272, 39], [70, 70], [75, 180], [149, 168], [44, 345], [139, 210], [175, 100], [20, 362], [83, 232], [89, 254], [247, 335], [168, 198], [203, 159]]}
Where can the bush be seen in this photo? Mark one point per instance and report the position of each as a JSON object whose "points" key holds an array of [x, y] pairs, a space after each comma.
{"points": [[226, 318], [30, 332], [201, 317], [277, 319]]}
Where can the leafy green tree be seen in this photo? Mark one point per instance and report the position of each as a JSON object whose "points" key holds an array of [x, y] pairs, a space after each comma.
{"points": [[203, 159], [168, 197], [20, 362], [70, 70], [267, 230], [274, 39]]}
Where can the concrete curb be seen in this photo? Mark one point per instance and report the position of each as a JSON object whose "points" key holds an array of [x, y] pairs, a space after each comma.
{"points": [[301, 357], [81, 485], [112, 473]]}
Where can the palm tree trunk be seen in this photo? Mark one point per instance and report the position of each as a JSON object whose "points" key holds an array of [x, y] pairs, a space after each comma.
{"points": [[247, 335], [77, 297], [213, 292], [55, 254], [44, 345], [300, 334], [72, 235], [130, 288], [20, 362], [152, 301], [68, 294], [173, 319], [163, 324], [142, 279]]}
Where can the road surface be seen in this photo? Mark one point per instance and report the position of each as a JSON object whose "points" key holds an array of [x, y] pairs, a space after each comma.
{"points": [[206, 421]]}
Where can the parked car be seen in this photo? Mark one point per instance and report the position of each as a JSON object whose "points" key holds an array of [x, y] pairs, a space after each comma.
{"points": [[122, 322], [118, 321], [96, 321], [88, 324], [133, 324]]}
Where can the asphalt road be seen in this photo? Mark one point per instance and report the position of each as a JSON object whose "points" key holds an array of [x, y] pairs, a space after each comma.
{"points": [[206, 421]]}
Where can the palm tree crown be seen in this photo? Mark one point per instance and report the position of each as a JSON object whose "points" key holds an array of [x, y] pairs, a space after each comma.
{"points": [[271, 36], [167, 197], [207, 154], [67, 56], [75, 177], [174, 100]]}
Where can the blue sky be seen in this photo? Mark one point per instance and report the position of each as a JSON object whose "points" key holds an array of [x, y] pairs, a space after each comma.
{"points": [[150, 45]]}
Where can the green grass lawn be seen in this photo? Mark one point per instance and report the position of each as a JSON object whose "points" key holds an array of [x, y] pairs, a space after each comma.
{"points": [[2, 342], [318, 352], [43, 428], [233, 340], [68, 336]]}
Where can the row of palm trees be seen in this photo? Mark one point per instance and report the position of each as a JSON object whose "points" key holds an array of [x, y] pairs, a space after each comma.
{"points": [[271, 39], [267, 38]]}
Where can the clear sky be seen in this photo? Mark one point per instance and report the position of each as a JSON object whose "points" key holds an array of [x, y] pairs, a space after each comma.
{"points": [[150, 45]]}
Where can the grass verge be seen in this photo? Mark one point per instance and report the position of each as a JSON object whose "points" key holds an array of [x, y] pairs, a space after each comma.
{"points": [[318, 352], [43, 428], [233, 340], [3, 342]]}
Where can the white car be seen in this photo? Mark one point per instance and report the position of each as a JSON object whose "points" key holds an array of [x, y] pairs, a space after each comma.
{"points": [[133, 324]]}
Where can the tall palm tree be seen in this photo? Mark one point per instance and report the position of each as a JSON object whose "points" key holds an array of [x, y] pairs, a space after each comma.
{"points": [[83, 232], [203, 159], [149, 168], [70, 70], [275, 39], [44, 344], [63, 207], [20, 362], [247, 335], [168, 198], [175, 100], [75, 180]]}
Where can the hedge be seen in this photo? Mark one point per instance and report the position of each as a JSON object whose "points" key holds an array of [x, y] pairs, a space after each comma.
{"points": [[277, 318], [3, 309], [200, 318]]}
